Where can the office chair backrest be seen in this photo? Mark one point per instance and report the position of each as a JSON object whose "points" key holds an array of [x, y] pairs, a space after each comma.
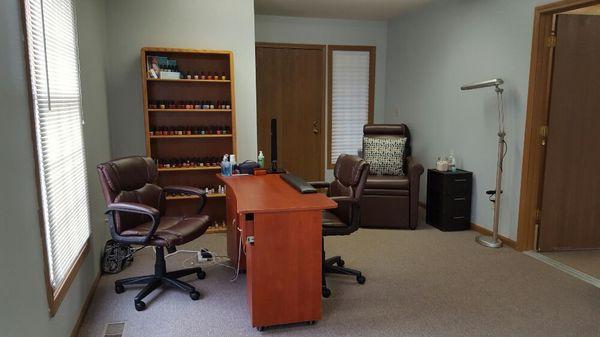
{"points": [[131, 179], [350, 174]]}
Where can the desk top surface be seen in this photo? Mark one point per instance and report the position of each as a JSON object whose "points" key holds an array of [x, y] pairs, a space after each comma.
{"points": [[269, 193]]}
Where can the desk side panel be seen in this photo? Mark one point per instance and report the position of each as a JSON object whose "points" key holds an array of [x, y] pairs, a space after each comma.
{"points": [[234, 221], [285, 280]]}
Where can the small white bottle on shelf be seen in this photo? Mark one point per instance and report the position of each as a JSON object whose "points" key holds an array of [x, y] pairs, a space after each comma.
{"points": [[452, 162]]}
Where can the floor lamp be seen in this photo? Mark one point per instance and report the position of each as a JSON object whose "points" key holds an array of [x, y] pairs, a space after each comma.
{"points": [[493, 241]]}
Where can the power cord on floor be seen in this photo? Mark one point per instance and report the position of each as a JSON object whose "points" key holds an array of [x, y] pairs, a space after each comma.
{"points": [[205, 256]]}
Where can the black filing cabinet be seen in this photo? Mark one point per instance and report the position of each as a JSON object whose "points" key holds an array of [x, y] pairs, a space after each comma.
{"points": [[449, 199]]}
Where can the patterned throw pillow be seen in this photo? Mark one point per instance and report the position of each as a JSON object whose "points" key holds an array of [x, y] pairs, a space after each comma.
{"points": [[385, 155]]}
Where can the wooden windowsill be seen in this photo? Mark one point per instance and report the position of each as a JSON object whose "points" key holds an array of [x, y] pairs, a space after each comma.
{"points": [[55, 296]]}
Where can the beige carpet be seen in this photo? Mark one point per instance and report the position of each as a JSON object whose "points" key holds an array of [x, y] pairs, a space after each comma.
{"points": [[586, 261], [419, 283]]}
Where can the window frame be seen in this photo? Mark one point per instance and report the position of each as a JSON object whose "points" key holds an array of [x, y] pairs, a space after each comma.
{"points": [[330, 50], [54, 295]]}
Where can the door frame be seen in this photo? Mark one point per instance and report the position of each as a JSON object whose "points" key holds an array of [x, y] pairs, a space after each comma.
{"points": [[323, 49], [538, 103]]}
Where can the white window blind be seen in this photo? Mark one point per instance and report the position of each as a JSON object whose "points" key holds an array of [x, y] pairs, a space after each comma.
{"points": [[54, 68], [349, 100]]}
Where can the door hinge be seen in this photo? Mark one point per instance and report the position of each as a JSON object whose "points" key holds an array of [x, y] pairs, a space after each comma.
{"points": [[543, 134], [551, 41]]}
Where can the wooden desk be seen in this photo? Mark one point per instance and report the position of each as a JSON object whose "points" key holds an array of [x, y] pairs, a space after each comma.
{"points": [[283, 262]]}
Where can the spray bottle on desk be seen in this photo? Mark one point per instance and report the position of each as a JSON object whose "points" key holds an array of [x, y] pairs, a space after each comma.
{"points": [[226, 166], [261, 159], [233, 163]]}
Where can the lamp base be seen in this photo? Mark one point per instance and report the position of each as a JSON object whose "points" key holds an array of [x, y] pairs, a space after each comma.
{"points": [[488, 241]]}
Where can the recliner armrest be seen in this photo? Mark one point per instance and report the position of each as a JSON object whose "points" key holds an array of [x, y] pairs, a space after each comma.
{"points": [[415, 170], [319, 184]]}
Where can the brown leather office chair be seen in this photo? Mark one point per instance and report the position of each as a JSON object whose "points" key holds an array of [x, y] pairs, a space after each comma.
{"points": [[136, 216], [392, 201], [350, 174]]}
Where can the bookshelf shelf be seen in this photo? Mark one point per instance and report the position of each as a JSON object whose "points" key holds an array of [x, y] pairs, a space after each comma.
{"points": [[189, 110], [198, 168], [185, 80], [191, 136], [187, 197]]}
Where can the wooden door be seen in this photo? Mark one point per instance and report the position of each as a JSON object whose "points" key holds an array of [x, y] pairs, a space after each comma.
{"points": [[290, 85], [570, 216]]}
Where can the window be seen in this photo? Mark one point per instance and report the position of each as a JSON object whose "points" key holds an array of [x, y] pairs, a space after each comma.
{"points": [[57, 124], [351, 74]]}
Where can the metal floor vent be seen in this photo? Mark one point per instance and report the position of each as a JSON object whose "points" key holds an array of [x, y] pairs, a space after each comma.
{"points": [[114, 329]]}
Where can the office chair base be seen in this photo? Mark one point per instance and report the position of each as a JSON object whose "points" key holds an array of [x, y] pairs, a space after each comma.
{"points": [[160, 278], [335, 265]]}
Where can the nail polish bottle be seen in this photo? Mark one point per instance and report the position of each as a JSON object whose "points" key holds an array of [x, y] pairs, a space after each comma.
{"points": [[188, 75], [223, 76], [212, 106], [210, 76], [196, 76]]}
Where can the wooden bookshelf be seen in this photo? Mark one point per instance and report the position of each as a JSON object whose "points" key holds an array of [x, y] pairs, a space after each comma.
{"points": [[178, 148]]}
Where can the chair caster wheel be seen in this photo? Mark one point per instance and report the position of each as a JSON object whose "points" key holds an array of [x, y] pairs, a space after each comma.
{"points": [[140, 305], [260, 328], [361, 279], [119, 288], [194, 295], [341, 263], [326, 292], [312, 322], [201, 275]]}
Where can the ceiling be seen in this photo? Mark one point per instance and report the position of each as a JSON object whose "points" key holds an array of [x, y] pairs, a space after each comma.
{"points": [[342, 9]]}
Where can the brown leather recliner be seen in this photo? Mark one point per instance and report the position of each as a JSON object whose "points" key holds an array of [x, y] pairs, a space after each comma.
{"points": [[136, 216], [392, 201]]}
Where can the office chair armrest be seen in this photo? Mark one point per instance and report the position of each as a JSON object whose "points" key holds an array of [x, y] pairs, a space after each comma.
{"points": [[190, 190], [344, 200], [131, 207], [319, 184], [350, 204]]}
